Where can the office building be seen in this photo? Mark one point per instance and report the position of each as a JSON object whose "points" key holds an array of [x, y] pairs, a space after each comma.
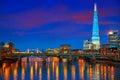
{"points": [[65, 48], [88, 45], [113, 37], [95, 31]]}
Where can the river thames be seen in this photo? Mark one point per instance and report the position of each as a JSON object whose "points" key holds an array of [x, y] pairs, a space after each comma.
{"points": [[59, 70]]}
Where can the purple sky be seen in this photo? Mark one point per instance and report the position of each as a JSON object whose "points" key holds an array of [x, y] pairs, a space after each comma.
{"points": [[48, 23]]}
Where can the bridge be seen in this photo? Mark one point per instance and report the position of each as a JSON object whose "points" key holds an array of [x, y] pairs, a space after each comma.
{"points": [[68, 56], [61, 55]]}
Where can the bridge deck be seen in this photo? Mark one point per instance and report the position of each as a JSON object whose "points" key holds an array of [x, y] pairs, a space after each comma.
{"points": [[44, 55]]}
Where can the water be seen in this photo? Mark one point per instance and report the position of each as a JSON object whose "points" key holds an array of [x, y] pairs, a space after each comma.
{"points": [[58, 70]]}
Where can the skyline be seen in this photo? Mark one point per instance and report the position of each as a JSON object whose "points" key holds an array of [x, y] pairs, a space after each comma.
{"points": [[47, 24]]}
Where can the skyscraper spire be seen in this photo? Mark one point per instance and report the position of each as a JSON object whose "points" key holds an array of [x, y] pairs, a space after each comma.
{"points": [[95, 7], [95, 32]]}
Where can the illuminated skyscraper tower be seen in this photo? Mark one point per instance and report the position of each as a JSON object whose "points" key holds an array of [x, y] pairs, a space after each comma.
{"points": [[95, 32]]}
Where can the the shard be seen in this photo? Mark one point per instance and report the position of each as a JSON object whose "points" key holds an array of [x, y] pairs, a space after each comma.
{"points": [[95, 31]]}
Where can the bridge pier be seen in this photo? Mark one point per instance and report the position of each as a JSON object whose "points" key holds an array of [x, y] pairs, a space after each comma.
{"points": [[69, 59], [60, 58], [76, 58], [27, 59], [19, 60], [44, 61]]}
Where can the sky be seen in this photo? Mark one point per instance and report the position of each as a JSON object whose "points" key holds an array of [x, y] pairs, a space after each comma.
{"points": [[49, 23]]}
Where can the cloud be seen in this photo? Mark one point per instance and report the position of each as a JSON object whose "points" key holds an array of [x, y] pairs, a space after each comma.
{"points": [[37, 18]]}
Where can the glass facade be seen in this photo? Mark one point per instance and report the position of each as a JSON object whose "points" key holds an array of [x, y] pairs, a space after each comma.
{"points": [[95, 32], [113, 39]]}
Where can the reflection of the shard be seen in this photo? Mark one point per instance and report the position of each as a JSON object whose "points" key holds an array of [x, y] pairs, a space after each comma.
{"points": [[31, 72], [89, 72], [73, 72], [48, 73], [7, 73], [81, 69], [57, 72], [40, 73], [102, 71], [65, 71]]}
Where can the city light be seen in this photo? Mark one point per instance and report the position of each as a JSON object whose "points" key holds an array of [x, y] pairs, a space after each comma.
{"points": [[111, 32], [59, 40]]}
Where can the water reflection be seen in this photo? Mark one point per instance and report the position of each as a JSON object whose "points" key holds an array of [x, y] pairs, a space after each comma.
{"points": [[56, 70], [65, 71], [81, 69], [36, 68], [7, 73], [89, 72], [48, 73], [31, 72], [15, 73], [40, 73], [23, 73], [73, 72]]}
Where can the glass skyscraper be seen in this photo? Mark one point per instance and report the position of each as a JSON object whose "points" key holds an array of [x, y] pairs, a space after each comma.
{"points": [[95, 32]]}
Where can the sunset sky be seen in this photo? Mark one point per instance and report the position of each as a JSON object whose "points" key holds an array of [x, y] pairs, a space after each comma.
{"points": [[48, 23]]}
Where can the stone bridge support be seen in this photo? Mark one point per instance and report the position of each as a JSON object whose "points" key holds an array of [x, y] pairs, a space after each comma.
{"points": [[44, 59], [70, 59]]}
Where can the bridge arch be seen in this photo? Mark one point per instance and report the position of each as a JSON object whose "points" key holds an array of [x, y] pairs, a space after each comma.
{"points": [[33, 50]]}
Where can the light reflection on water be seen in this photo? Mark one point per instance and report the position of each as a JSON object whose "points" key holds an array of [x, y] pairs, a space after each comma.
{"points": [[56, 70]]}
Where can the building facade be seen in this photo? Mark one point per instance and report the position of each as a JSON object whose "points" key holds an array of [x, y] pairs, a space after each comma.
{"points": [[52, 50], [113, 37], [76, 51], [65, 48], [95, 31], [113, 41], [88, 45]]}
